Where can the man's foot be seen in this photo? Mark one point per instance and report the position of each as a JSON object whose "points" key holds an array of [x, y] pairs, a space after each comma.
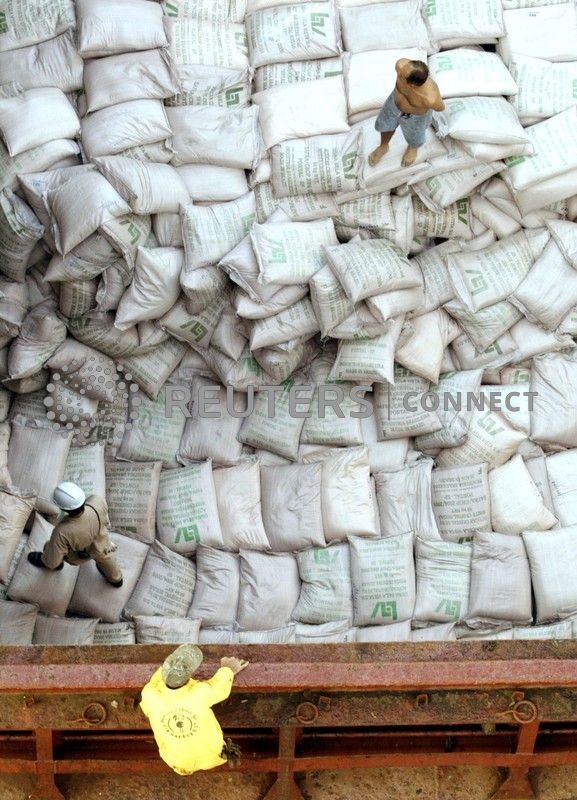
{"points": [[409, 157], [35, 558], [116, 584], [377, 154]]}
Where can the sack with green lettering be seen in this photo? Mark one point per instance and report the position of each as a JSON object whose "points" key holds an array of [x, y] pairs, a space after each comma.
{"points": [[206, 42], [384, 26], [154, 434], [451, 68], [399, 408], [296, 32], [131, 492], [209, 232], [206, 85], [326, 591], [383, 579], [485, 277], [338, 160], [443, 580], [368, 360], [152, 368], [461, 501], [291, 252], [454, 410], [85, 467], [545, 88], [165, 586], [271, 426], [278, 74], [186, 511], [491, 439]]}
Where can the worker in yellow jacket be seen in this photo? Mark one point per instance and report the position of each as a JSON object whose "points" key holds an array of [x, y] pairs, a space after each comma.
{"points": [[179, 710]]}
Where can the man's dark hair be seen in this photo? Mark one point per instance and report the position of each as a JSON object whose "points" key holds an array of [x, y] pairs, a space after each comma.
{"points": [[418, 74]]}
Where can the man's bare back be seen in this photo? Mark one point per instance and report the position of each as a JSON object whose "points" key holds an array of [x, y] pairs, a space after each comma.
{"points": [[416, 93]]}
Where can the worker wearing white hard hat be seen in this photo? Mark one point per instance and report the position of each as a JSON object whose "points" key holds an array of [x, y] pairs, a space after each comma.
{"points": [[81, 535]]}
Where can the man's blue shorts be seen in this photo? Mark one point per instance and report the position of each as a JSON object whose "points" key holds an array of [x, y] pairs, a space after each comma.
{"points": [[412, 125]]}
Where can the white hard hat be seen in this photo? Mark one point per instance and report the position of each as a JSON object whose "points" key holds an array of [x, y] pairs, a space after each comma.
{"points": [[68, 496]]}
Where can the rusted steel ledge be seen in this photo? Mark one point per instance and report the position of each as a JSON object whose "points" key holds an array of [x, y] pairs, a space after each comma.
{"points": [[287, 668]]}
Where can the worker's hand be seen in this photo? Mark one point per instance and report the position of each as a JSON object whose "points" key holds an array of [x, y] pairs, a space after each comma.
{"points": [[235, 664]]}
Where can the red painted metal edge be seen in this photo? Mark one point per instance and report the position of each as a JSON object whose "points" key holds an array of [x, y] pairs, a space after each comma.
{"points": [[321, 675]]}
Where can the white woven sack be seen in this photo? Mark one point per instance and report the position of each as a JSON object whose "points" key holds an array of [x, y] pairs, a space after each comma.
{"points": [[20, 230], [17, 622], [394, 419], [131, 124], [205, 85], [165, 586], [19, 116], [166, 630], [155, 287], [454, 21], [131, 492], [491, 439], [212, 135], [326, 590], [187, 511], [155, 432], [554, 142], [119, 78], [239, 506], [486, 326], [373, 267], [368, 360], [397, 632], [363, 93], [35, 22], [59, 153], [549, 290], [85, 467], [384, 26], [489, 120], [423, 341], [80, 206], [207, 42], [14, 512], [348, 508], [292, 506], [50, 591], [117, 26], [291, 252], [217, 588], [311, 108], [451, 70], [149, 188], [383, 579], [279, 74], [545, 87], [114, 633], [443, 580], [516, 503], [404, 501], [37, 459], [553, 559], [71, 632], [553, 419], [338, 161], [53, 63], [562, 481], [549, 32], [209, 232], [295, 32], [213, 184], [269, 589], [461, 501]]}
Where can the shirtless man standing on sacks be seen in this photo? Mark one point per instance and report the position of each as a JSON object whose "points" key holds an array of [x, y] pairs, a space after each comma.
{"points": [[411, 106]]}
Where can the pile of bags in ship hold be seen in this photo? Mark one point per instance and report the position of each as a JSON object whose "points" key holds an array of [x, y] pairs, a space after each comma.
{"points": [[186, 201]]}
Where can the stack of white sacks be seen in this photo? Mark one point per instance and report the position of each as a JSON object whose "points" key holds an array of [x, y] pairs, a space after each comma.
{"points": [[187, 203]]}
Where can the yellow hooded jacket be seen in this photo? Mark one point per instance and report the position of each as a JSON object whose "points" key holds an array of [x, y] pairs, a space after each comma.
{"points": [[187, 733]]}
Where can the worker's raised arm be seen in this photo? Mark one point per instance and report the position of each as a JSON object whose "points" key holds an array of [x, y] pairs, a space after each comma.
{"points": [[221, 682]]}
